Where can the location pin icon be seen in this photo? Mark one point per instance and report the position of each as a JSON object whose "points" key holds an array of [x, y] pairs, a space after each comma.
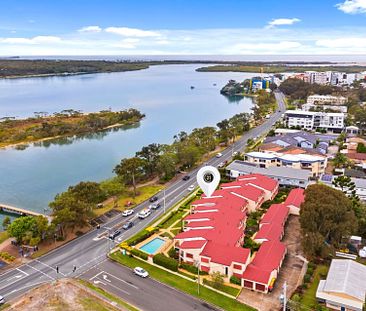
{"points": [[208, 178]]}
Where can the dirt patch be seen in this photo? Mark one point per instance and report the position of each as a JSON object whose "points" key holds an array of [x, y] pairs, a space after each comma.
{"points": [[291, 271], [61, 296]]}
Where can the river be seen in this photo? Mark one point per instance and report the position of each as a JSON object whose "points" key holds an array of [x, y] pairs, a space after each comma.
{"points": [[31, 178]]}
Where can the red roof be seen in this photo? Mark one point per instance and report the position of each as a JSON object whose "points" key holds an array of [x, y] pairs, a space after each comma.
{"points": [[277, 213], [225, 255], [260, 180], [269, 232], [249, 192], [357, 156], [190, 234], [267, 259], [198, 224], [295, 197], [192, 244]]}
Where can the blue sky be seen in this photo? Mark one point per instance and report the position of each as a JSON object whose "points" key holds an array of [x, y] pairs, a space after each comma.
{"points": [[125, 27]]}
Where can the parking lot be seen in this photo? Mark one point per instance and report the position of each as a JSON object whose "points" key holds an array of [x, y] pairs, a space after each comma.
{"points": [[292, 271]]}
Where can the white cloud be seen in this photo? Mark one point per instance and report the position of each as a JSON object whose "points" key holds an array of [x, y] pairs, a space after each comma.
{"points": [[34, 40], [282, 22], [90, 29], [264, 47], [352, 6], [347, 42], [132, 32]]}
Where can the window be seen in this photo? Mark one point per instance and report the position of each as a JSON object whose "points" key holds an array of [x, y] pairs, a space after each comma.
{"points": [[205, 260], [188, 255], [238, 267]]}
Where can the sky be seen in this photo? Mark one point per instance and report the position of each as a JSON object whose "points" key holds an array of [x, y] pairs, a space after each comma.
{"points": [[182, 27]]}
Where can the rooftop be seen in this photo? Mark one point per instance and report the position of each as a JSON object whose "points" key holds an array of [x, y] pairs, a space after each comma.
{"points": [[295, 197]]}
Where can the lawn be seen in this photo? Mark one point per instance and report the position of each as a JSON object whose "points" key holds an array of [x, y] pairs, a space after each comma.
{"points": [[182, 284], [173, 219], [308, 298], [3, 236], [108, 296], [144, 193], [224, 288]]}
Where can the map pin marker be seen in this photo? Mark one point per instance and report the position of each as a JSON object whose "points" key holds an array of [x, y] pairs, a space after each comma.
{"points": [[208, 178]]}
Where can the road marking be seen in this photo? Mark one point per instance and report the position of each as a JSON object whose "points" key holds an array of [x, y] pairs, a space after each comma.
{"points": [[117, 288], [22, 271], [105, 277], [95, 276], [121, 280], [24, 287], [45, 274], [48, 266], [99, 282]]}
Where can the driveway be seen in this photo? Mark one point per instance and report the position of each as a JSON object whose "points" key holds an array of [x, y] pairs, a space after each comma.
{"points": [[291, 272]]}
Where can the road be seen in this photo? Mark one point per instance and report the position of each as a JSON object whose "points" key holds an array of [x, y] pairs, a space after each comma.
{"points": [[89, 252]]}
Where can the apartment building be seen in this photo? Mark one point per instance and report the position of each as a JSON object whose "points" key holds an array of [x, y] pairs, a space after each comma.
{"points": [[326, 100], [312, 120]]}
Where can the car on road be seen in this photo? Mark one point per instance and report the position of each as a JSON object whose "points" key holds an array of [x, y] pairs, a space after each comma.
{"points": [[154, 206], [221, 165], [2, 300], [191, 187], [144, 213], [127, 225], [141, 272], [127, 212], [235, 153], [153, 199], [113, 235], [219, 155], [185, 178]]}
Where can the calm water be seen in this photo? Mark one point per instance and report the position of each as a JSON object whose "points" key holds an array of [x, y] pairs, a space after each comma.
{"points": [[30, 178]]}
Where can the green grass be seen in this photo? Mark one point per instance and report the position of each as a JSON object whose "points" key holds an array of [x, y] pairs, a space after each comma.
{"points": [[93, 304], [175, 231], [144, 193], [224, 288], [5, 306], [182, 284], [173, 219], [3, 236], [109, 296], [308, 298]]}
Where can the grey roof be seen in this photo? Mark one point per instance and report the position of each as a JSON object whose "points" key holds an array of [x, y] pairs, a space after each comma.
{"points": [[285, 172], [295, 138], [359, 182], [354, 173], [348, 277]]}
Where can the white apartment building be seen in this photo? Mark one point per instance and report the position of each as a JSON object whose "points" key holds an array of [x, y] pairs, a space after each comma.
{"points": [[313, 107], [311, 120], [317, 77], [326, 100]]}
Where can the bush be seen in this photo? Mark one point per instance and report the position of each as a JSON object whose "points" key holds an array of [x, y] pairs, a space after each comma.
{"points": [[138, 253], [173, 253], [307, 278], [311, 265], [166, 262], [143, 235], [79, 233], [310, 270], [235, 280], [191, 268], [6, 256]]}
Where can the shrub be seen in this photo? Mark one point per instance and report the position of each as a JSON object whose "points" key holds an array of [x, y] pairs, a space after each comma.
{"points": [[311, 265], [310, 270], [6, 256], [143, 235], [307, 278], [138, 253], [191, 268], [166, 262], [79, 233], [173, 253], [235, 280]]}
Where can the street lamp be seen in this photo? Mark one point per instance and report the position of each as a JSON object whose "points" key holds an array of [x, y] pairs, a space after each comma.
{"points": [[198, 264]]}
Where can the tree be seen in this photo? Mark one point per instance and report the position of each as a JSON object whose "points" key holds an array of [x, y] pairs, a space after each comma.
{"points": [[64, 219], [224, 131], [88, 192], [112, 186], [28, 228], [150, 154], [340, 160], [6, 222], [130, 170], [325, 217], [217, 279], [166, 165], [347, 186], [188, 155]]}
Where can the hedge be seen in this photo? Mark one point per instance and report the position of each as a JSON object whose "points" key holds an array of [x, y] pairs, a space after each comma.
{"points": [[143, 235], [235, 280], [191, 268], [6, 256], [138, 253], [166, 262]]}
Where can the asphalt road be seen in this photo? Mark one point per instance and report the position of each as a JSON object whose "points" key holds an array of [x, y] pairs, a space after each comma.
{"points": [[89, 252]]}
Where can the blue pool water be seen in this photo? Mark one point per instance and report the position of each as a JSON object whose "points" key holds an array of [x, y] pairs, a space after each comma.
{"points": [[152, 246]]}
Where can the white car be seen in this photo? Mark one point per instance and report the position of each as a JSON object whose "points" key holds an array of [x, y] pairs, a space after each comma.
{"points": [[219, 155], [144, 213], [235, 153], [127, 212], [2, 300], [191, 188], [221, 165], [141, 272]]}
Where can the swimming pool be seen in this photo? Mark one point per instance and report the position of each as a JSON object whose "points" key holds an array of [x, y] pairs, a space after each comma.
{"points": [[152, 246]]}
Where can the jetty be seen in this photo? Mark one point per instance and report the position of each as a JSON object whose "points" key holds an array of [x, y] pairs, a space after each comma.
{"points": [[20, 211]]}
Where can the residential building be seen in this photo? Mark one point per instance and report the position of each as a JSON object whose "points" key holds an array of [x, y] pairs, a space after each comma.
{"points": [[325, 108], [326, 100], [294, 200], [352, 131], [319, 142], [316, 164], [312, 120], [345, 286], [285, 176]]}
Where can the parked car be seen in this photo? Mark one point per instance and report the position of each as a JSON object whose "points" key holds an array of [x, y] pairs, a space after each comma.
{"points": [[141, 272], [221, 165], [219, 155], [153, 199], [127, 225], [113, 235], [127, 212], [144, 213], [154, 206], [235, 153], [191, 188], [186, 177]]}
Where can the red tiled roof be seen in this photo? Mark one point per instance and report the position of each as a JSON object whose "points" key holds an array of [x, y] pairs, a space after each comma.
{"points": [[225, 255], [190, 234], [199, 216], [357, 156], [203, 223], [260, 180], [295, 197], [249, 192], [192, 244], [267, 259], [269, 232], [277, 213]]}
